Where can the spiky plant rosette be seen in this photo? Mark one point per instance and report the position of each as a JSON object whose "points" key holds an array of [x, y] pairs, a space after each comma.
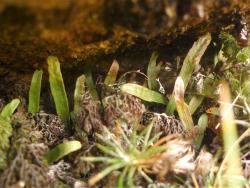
{"points": [[124, 153], [141, 155]]}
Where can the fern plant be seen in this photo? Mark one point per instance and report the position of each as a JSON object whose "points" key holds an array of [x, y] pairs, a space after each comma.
{"points": [[191, 62]]}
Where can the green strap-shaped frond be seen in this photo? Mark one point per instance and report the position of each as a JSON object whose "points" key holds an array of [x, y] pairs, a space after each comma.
{"points": [[34, 92], [58, 89], [62, 150], [190, 63]]}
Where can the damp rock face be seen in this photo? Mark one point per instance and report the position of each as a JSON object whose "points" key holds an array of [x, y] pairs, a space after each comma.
{"points": [[95, 32], [32, 30], [152, 17]]}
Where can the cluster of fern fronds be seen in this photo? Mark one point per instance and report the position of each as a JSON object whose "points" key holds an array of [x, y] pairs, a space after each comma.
{"points": [[121, 136]]}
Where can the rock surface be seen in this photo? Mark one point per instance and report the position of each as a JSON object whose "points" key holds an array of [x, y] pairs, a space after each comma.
{"points": [[94, 32]]}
